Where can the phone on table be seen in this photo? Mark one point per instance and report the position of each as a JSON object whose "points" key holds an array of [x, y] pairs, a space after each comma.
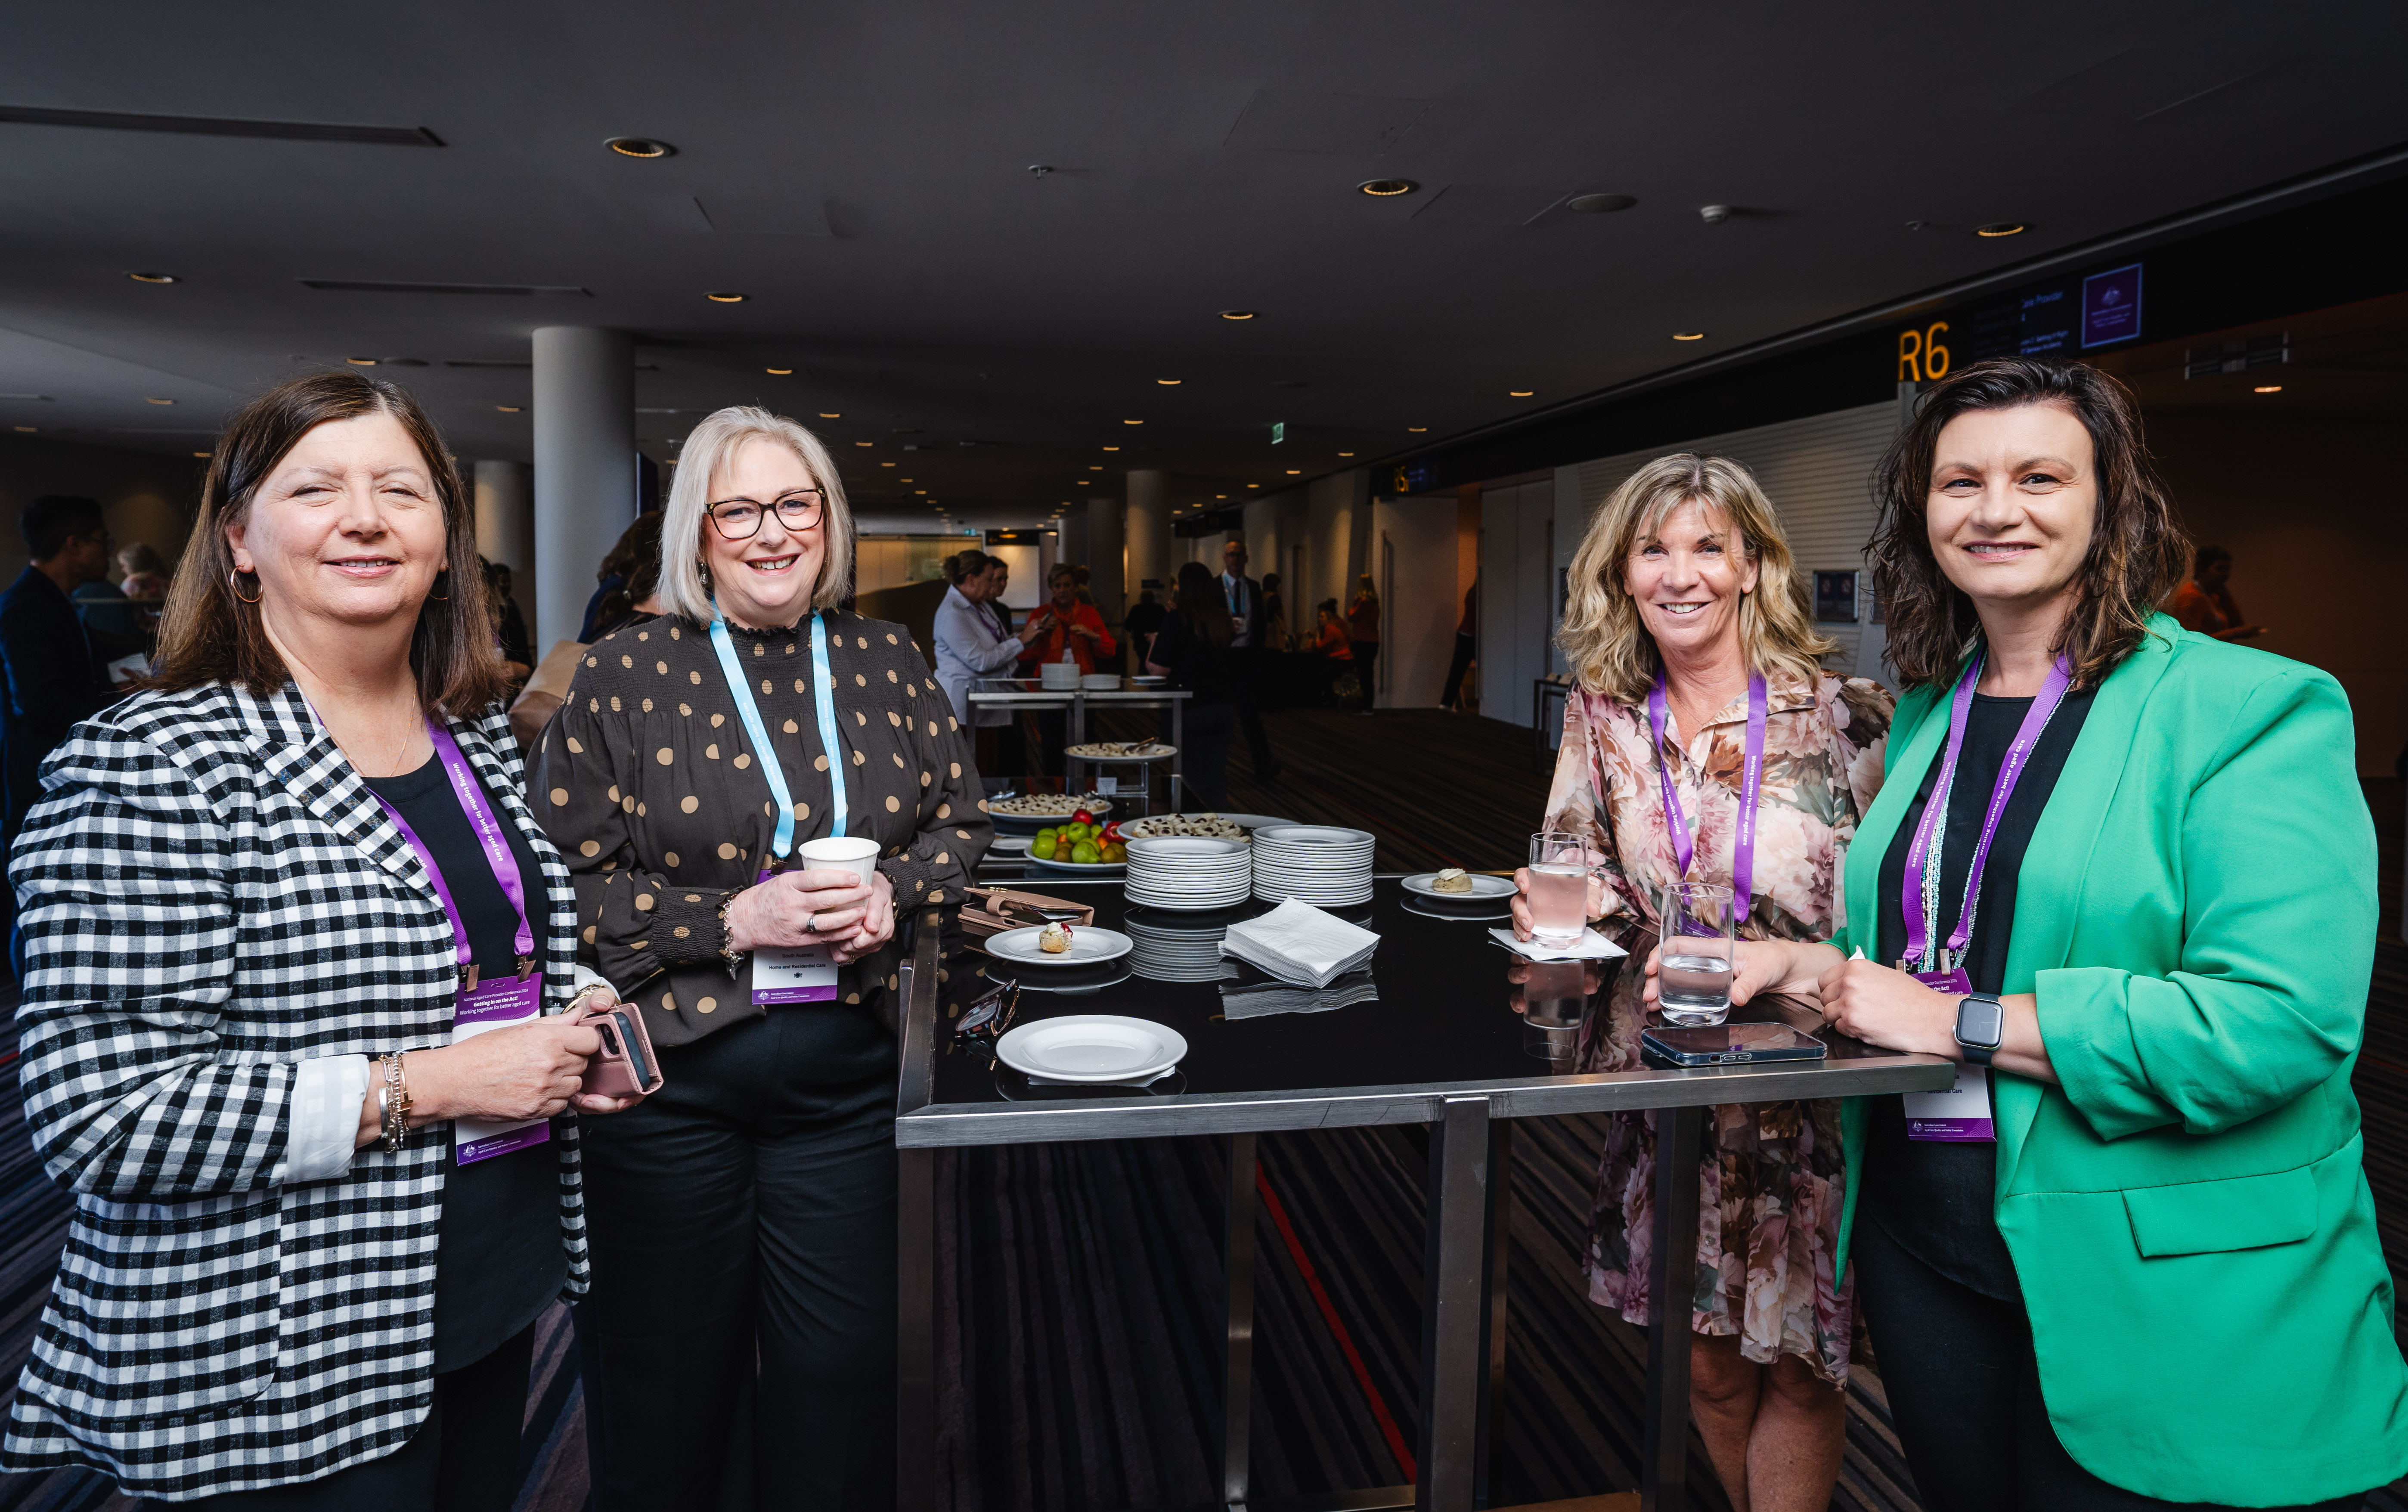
{"points": [[1669, 1047]]}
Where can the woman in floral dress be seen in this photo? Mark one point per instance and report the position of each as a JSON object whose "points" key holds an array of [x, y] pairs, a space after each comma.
{"points": [[1684, 582]]}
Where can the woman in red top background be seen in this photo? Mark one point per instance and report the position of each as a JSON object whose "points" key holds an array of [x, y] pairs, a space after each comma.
{"points": [[1068, 620]]}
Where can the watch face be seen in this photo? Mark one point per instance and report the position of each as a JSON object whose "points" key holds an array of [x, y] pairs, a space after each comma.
{"points": [[1981, 1022]]}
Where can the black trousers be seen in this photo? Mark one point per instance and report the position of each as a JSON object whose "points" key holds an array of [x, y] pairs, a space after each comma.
{"points": [[740, 1340], [464, 1457], [1204, 762], [1466, 647], [1366, 663], [1246, 678], [1964, 1388]]}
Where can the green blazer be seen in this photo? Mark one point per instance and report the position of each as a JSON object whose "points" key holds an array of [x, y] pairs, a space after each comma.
{"points": [[2187, 1214]]}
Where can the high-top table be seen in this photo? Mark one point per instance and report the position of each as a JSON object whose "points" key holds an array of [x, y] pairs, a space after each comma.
{"points": [[1452, 1043], [1029, 694]]}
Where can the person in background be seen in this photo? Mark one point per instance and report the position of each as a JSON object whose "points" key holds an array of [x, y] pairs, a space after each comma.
{"points": [[2124, 876], [1698, 693], [2205, 604], [1078, 575], [1193, 651], [1249, 612], [1467, 646], [259, 918], [1142, 623], [54, 679], [1278, 634], [739, 1344], [146, 574], [1363, 638], [617, 566], [118, 629], [1065, 624], [969, 648], [1329, 643], [510, 626], [633, 583]]}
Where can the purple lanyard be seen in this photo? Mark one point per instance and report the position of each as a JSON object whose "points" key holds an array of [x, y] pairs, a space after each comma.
{"points": [[1923, 857], [1751, 781], [491, 835]]}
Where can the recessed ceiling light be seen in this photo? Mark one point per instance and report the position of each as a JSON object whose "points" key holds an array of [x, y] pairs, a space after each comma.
{"points": [[864, 443], [1095, 467], [1296, 471], [1219, 496], [361, 362], [1132, 423], [1386, 188], [1999, 228], [903, 480], [204, 455], [509, 409], [1417, 429], [921, 492], [1519, 393], [1254, 485], [1167, 383], [1346, 453], [1111, 449], [639, 147], [724, 296], [2268, 388], [830, 414], [28, 430], [158, 401], [886, 464], [1688, 336], [1237, 315], [154, 277], [779, 372]]}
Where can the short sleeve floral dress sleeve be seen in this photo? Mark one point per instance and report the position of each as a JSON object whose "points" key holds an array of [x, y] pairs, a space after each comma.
{"points": [[1769, 1211]]}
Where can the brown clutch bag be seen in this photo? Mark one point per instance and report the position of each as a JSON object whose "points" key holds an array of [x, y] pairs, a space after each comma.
{"points": [[624, 1066]]}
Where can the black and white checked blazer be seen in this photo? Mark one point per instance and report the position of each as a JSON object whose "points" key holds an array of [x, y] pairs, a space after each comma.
{"points": [[210, 896]]}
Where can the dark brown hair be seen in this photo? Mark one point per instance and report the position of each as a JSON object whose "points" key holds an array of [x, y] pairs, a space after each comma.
{"points": [[1202, 606], [2137, 551], [209, 635]]}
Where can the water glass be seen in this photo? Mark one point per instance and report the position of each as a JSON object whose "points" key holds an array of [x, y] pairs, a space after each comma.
{"points": [[1560, 866], [1699, 933]]}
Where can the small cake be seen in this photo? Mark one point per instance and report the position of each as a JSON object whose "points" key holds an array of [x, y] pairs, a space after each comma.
{"points": [[1055, 940], [1453, 879]]}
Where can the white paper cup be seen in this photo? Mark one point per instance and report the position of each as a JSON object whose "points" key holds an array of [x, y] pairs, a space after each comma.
{"points": [[849, 853]]}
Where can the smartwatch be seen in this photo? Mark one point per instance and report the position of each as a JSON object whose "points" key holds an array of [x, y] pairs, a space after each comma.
{"points": [[1981, 1025]]}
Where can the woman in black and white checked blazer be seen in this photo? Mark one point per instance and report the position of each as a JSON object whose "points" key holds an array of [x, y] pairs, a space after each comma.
{"points": [[224, 924]]}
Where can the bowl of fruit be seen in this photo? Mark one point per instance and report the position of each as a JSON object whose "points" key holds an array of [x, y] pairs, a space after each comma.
{"points": [[1088, 845]]}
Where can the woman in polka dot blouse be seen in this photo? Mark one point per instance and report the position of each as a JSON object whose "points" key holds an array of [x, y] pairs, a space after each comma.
{"points": [[747, 1210]]}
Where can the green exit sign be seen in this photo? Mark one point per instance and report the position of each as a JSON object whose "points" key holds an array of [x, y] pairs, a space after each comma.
{"points": [[1279, 432]]}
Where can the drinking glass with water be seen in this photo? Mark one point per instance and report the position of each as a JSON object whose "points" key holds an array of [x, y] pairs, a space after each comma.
{"points": [[1696, 959], [1561, 863]]}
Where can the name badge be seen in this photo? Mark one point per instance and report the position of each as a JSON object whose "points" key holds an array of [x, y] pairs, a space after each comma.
{"points": [[1961, 1115], [795, 974], [486, 1006]]}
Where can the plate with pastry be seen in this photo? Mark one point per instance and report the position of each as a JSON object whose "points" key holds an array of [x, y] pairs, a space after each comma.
{"points": [[1455, 885], [1059, 945]]}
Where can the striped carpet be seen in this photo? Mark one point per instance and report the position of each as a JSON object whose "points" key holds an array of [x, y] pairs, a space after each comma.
{"points": [[1081, 1355]]}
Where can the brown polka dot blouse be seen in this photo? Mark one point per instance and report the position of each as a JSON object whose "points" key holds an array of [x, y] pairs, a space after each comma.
{"points": [[649, 786]]}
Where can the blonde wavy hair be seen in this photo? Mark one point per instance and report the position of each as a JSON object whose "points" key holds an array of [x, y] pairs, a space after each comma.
{"points": [[707, 445], [1604, 636]]}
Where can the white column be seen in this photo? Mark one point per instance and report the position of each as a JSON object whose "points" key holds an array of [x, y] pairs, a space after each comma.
{"points": [[1106, 541], [1149, 532], [584, 465], [505, 527]]}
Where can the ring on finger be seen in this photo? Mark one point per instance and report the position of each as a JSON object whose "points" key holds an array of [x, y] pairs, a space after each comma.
{"points": [[810, 923]]}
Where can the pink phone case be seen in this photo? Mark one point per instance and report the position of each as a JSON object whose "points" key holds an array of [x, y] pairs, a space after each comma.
{"points": [[613, 1072]]}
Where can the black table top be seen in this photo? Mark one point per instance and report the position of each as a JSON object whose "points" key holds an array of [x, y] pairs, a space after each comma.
{"points": [[1455, 1014]]}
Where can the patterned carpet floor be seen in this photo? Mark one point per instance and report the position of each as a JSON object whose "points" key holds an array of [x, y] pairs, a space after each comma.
{"points": [[1081, 1350]]}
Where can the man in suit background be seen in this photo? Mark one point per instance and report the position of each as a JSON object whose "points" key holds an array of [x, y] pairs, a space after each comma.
{"points": [[1247, 619]]}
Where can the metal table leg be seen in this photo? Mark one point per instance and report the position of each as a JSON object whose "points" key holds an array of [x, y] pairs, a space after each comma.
{"points": [[1238, 1374], [1487, 1453], [1454, 1256], [1672, 1279], [1178, 754], [915, 1235]]}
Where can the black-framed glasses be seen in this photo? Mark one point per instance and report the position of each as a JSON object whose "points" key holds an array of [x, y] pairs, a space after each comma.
{"points": [[739, 519], [990, 1015]]}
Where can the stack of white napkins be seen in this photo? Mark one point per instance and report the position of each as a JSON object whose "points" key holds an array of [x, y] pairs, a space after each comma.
{"points": [[1253, 1000], [1298, 944], [1591, 946]]}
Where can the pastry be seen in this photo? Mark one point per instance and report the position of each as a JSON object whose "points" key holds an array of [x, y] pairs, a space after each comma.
{"points": [[1453, 879], [1055, 940]]}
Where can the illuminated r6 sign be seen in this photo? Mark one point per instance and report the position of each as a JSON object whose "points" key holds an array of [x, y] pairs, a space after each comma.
{"points": [[1920, 355]]}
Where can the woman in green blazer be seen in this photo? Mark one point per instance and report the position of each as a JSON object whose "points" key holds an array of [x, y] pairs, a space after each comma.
{"points": [[2134, 1262]]}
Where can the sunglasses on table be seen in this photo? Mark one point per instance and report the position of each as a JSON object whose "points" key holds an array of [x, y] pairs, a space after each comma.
{"points": [[738, 519]]}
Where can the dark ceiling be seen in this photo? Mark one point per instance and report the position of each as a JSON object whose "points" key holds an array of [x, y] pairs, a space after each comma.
{"points": [[862, 175]]}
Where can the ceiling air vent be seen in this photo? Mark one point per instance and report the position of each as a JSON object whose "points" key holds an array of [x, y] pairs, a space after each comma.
{"points": [[369, 286], [289, 130]]}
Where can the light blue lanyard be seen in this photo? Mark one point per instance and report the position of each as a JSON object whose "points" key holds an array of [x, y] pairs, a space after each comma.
{"points": [[783, 841]]}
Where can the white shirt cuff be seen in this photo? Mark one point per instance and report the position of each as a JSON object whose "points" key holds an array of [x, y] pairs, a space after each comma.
{"points": [[324, 1125]]}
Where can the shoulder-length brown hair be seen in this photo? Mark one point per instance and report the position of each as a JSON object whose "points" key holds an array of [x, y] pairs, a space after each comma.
{"points": [[2138, 551], [208, 633]]}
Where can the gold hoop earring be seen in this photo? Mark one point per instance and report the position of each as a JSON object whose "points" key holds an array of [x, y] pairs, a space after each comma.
{"points": [[439, 598], [235, 588]]}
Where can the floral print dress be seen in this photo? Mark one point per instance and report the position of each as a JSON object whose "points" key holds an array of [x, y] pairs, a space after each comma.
{"points": [[1769, 1218]]}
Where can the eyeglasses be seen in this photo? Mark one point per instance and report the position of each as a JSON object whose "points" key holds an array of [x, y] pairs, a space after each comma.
{"points": [[739, 519], [990, 1016]]}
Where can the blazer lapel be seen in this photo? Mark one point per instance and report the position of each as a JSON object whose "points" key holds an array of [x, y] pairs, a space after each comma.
{"points": [[2047, 912], [294, 749]]}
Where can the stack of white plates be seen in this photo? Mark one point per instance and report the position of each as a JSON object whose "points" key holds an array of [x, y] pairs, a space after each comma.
{"points": [[1058, 676], [1316, 864], [1100, 682], [1176, 950], [1189, 873]]}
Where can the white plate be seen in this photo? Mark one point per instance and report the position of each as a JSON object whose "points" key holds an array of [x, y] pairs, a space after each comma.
{"points": [[1316, 834], [1092, 752], [1076, 868], [1185, 902], [1482, 887], [1465, 914], [1187, 848], [1090, 1047], [1010, 844], [1090, 945]]}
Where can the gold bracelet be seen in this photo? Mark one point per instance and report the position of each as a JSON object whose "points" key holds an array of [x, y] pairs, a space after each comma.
{"points": [[392, 1101], [588, 991]]}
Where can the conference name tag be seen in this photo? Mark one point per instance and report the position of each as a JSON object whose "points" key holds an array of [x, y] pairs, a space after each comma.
{"points": [[486, 1006], [1961, 1115], [795, 974]]}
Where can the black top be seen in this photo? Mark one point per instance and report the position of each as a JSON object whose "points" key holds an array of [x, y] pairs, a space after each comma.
{"points": [[1938, 1198], [52, 681], [1193, 661], [498, 1262]]}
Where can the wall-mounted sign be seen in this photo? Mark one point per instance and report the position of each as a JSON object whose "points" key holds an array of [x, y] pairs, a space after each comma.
{"points": [[1835, 597], [1920, 353], [1279, 432], [1412, 477], [2111, 306]]}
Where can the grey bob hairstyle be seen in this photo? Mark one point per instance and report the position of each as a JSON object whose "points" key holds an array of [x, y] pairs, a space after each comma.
{"points": [[711, 445]]}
